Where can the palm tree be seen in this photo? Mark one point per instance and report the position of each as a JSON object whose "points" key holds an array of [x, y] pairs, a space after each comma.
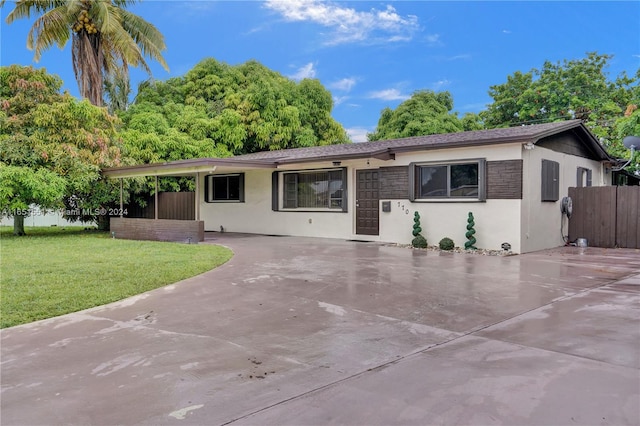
{"points": [[106, 38], [117, 89]]}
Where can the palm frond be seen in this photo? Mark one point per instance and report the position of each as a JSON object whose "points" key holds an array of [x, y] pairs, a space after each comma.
{"points": [[146, 35], [52, 27], [24, 8]]}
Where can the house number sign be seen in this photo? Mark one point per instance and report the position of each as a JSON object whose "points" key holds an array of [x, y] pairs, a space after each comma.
{"points": [[406, 211]]}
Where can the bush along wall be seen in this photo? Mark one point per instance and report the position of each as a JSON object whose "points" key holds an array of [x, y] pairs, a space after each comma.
{"points": [[446, 244]]}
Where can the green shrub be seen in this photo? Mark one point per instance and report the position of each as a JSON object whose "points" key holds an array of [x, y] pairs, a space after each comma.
{"points": [[419, 242], [446, 244]]}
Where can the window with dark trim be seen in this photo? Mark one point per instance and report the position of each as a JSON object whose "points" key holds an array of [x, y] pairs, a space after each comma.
{"points": [[453, 180], [315, 189], [583, 177], [550, 180], [224, 188]]}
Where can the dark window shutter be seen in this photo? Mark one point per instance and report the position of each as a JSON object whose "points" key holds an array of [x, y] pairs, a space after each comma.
{"points": [[550, 180], [412, 182], [482, 179], [345, 190], [274, 191], [579, 177], [207, 184]]}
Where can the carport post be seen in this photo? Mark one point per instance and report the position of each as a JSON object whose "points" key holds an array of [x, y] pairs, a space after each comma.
{"points": [[197, 197], [121, 204], [156, 200]]}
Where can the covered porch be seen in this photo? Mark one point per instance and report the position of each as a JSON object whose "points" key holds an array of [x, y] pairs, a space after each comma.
{"points": [[162, 229]]}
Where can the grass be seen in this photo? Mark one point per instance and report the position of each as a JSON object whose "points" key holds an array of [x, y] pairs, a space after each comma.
{"points": [[55, 271]]}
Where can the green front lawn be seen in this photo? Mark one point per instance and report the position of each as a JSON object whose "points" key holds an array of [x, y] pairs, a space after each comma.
{"points": [[54, 271]]}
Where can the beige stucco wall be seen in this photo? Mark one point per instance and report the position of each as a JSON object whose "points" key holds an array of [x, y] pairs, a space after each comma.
{"points": [[541, 221], [497, 221]]}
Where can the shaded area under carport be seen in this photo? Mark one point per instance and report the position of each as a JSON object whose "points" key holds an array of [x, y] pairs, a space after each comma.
{"points": [[315, 331]]}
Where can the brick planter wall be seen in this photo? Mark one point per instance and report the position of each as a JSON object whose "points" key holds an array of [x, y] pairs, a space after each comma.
{"points": [[158, 230]]}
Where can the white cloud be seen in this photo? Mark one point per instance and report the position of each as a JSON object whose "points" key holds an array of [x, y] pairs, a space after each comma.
{"points": [[345, 85], [348, 24], [440, 84], [337, 100], [506, 31], [388, 95], [306, 71], [358, 134], [433, 39], [463, 56]]}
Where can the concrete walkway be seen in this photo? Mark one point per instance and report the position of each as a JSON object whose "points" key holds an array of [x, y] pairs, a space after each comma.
{"points": [[304, 331]]}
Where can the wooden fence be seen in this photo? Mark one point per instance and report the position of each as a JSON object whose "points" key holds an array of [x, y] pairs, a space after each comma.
{"points": [[607, 216], [171, 205]]}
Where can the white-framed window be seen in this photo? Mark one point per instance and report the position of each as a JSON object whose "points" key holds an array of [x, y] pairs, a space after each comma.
{"points": [[324, 189], [459, 180], [224, 188]]}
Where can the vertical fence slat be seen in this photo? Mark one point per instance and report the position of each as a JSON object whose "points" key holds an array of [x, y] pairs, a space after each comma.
{"points": [[594, 215], [628, 219], [607, 216], [171, 205]]}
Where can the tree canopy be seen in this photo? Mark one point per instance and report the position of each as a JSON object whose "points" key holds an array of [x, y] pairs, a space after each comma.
{"points": [[106, 38], [52, 146], [219, 110], [425, 113], [579, 88]]}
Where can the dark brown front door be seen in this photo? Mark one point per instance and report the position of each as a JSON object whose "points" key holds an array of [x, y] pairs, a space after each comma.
{"points": [[367, 210]]}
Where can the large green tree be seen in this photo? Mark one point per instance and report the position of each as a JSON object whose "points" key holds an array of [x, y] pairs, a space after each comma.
{"points": [[52, 146], [425, 113], [219, 110], [106, 38], [579, 88]]}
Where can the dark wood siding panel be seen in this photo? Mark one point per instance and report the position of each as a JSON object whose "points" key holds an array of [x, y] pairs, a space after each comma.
{"points": [[394, 182], [504, 179], [566, 143]]}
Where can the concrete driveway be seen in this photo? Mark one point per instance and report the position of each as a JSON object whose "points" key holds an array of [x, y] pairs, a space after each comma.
{"points": [[311, 331]]}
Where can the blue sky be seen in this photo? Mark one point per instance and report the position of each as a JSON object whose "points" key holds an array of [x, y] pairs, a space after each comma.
{"points": [[371, 55]]}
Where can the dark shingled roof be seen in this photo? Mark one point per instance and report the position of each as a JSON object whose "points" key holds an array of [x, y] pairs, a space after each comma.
{"points": [[380, 149], [522, 134]]}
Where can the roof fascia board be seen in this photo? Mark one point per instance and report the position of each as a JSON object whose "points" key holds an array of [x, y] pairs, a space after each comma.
{"points": [[184, 167]]}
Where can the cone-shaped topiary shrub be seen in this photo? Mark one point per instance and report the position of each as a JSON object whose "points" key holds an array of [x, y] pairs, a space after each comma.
{"points": [[471, 241], [446, 244], [418, 241]]}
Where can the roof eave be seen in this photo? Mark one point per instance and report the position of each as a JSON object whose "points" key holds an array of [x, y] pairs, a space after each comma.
{"points": [[184, 167]]}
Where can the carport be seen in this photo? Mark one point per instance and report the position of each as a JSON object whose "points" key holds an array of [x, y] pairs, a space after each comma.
{"points": [[168, 229]]}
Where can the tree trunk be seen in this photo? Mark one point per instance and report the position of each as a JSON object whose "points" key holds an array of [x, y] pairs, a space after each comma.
{"points": [[18, 225], [103, 222]]}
